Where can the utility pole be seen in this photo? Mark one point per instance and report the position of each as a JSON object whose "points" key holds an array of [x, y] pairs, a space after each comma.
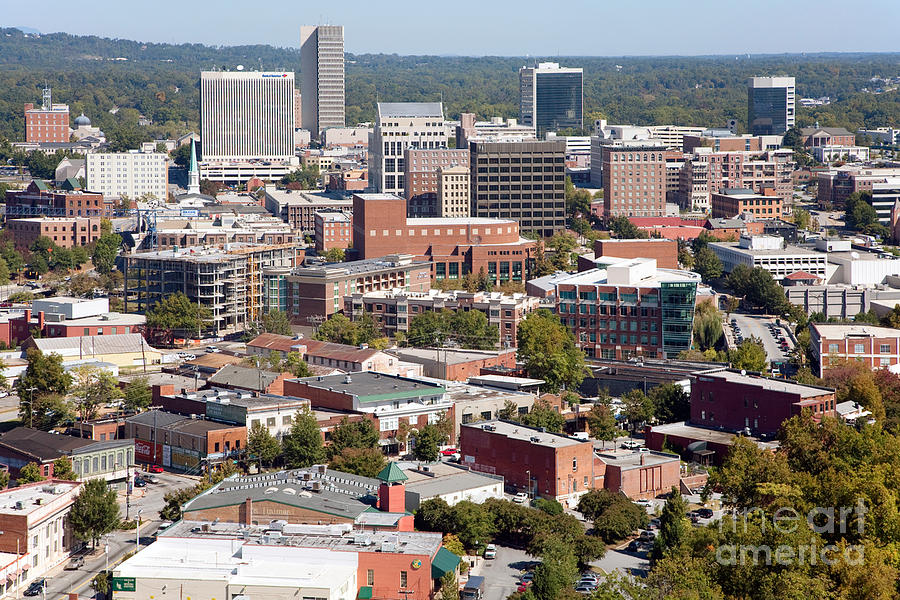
{"points": [[31, 407]]}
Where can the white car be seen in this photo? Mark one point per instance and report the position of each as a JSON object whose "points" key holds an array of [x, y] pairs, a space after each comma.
{"points": [[631, 444], [520, 498], [212, 349], [490, 551]]}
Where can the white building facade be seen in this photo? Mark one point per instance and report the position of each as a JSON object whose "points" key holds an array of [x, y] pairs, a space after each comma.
{"points": [[322, 69], [133, 174], [402, 125]]}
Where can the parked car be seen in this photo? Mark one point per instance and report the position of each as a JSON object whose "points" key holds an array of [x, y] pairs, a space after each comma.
{"points": [[520, 498], [527, 576], [523, 586], [449, 451], [155, 469], [212, 349], [75, 564], [705, 513], [631, 444], [36, 587], [586, 589], [646, 536], [139, 482], [151, 479], [490, 551], [654, 524], [635, 546]]}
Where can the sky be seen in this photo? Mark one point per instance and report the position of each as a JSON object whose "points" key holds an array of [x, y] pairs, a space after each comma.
{"points": [[490, 27]]}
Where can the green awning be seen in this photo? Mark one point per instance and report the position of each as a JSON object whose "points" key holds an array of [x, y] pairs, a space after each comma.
{"points": [[365, 593], [443, 562]]}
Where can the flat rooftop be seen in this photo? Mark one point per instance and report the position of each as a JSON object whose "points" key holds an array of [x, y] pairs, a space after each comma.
{"points": [[394, 110], [201, 253], [445, 355], [838, 330], [788, 249], [443, 478], [630, 459], [598, 276], [765, 383], [44, 492], [436, 221], [516, 431], [370, 387], [715, 436]]}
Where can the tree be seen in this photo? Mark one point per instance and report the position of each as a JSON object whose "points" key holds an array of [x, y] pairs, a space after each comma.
{"points": [[4, 272], [276, 321], [509, 412], [707, 264], [707, 325], [294, 364], [4, 479], [801, 218], [673, 526], [623, 228], [749, 356], [547, 348], [138, 394], [355, 434], [262, 445], [670, 403], [428, 441], [209, 188], [556, 571], [543, 415], [94, 512], [30, 473], [859, 213], [619, 520], [93, 386], [177, 313], [62, 469], [44, 377], [637, 407], [338, 329], [335, 255], [105, 250], [365, 462], [602, 422], [21, 297], [303, 446], [449, 586]]}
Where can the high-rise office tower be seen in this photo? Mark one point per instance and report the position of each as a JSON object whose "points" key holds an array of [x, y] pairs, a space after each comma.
{"points": [[247, 114], [398, 126], [770, 105], [551, 97], [322, 72]]}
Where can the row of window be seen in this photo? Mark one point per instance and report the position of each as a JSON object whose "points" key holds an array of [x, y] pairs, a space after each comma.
{"points": [[860, 348]]}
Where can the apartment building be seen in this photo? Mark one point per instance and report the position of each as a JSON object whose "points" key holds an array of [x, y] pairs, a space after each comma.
{"points": [[634, 180], [453, 191], [47, 124], [523, 181], [134, 174], [422, 168], [332, 230], [68, 200], [835, 185], [298, 209], [65, 232], [223, 229], [733, 202], [833, 343]]}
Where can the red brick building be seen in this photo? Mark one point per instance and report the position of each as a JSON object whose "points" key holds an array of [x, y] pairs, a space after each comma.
{"points": [[638, 475], [634, 181], [664, 251], [333, 230], [70, 317], [730, 203], [421, 176], [349, 180], [814, 137], [539, 463], [182, 443], [456, 365], [734, 401], [65, 232], [47, 124], [454, 246], [39, 199], [833, 343]]}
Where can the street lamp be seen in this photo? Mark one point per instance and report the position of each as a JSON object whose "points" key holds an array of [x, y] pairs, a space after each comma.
{"points": [[529, 482], [106, 551], [31, 406], [137, 531]]}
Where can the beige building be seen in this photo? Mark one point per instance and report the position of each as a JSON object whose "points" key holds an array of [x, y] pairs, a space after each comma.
{"points": [[123, 350], [402, 125], [453, 191], [133, 174]]}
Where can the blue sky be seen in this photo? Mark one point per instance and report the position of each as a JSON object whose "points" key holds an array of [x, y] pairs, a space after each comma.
{"points": [[491, 27]]}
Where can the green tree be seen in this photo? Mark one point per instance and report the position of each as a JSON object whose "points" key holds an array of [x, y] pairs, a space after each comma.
{"points": [[177, 313], [137, 395], [355, 434], [302, 446], [670, 403], [44, 377], [707, 264], [93, 386], [365, 462], [296, 365], [707, 326], [62, 469], [21, 297], [859, 213], [335, 255], [276, 321], [4, 272], [623, 228], [428, 440], [471, 523], [543, 415], [262, 445], [509, 412], [434, 515], [619, 520], [673, 526], [547, 348], [637, 407], [338, 329], [801, 218], [449, 586], [94, 512], [749, 356], [556, 572], [30, 473], [602, 422]]}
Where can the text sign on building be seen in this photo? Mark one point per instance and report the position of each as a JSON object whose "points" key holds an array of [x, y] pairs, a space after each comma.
{"points": [[123, 584]]}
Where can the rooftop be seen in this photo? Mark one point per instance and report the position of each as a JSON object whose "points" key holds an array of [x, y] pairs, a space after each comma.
{"points": [[86, 345], [788, 249], [448, 356], [373, 387], [34, 496], [40, 444], [516, 431], [359, 267], [393, 110], [840, 330], [444, 478], [765, 383], [715, 436], [631, 459], [437, 221], [243, 377], [644, 276], [155, 418]]}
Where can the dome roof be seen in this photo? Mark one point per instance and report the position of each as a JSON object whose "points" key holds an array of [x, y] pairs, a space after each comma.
{"points": [[82, 121]]}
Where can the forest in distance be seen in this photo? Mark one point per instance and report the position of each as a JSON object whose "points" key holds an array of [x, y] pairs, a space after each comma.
{"points": [[97, 75]]}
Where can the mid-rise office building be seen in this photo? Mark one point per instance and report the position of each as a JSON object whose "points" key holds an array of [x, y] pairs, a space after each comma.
{"points": [[523, 181], [732, 202], [551, 97], [64, 231], [247, 115], [835, 185], [634, 180], [134, 174], [453, 191], [398, 126], [298, 208], [772, 254], [47, 124], [770, 105], [497, 129], [629, 308], [422, 178], [333, 230], [322, 70]]}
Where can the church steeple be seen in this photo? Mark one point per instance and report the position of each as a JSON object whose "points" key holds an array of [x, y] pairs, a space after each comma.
{"points": [[193, 171]]}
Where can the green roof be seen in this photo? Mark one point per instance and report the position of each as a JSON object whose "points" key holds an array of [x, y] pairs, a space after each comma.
{"points": [[443, 562], [365, 593], [71, 184], [392, 474], [41, 185]]}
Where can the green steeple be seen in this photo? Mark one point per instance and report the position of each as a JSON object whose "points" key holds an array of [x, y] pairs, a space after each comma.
{"points": [[392, 474], [193, 168]]}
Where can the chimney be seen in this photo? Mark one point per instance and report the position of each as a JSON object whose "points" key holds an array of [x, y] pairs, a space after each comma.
{"points": [[27, 317], [29, 106], [40, 317], [245, 512]]}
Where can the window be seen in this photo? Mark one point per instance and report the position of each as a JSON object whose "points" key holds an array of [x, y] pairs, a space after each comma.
{"points": [[859, 348], [574, 464], [885, 348], [286, 420], [370, 577], [403, 579], [832, 347], [466, 418], [270, 422], [389, 423], [486, 415]]}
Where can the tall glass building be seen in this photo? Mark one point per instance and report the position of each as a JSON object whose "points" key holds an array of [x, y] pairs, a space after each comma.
{"points": [[770, 105], [551, 97]]}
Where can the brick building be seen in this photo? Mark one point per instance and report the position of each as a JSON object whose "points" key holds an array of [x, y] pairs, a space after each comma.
{"points": [[539, 463], [349, 180], [638, 475], [65, 232], [453, 198], [39, 199], [832, 343], [298, 208], [183, 443], [454, 246], [237, 377], [389, 399], [665, 252], [730, 203], [317, 291], [422, 177], [393, 310], [814, 137], [629, 308], [634, 181], [332, 230], [455, 364], [734, 401], [833, 186], [61, 316], [47, 124]]}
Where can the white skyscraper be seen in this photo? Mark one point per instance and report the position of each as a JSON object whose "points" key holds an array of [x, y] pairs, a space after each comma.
{"points": [[247, 115], [322, 72]]}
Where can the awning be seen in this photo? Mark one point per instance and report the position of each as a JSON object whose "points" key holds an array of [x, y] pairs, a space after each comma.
{"points": [[443, 562], [365, 593]]}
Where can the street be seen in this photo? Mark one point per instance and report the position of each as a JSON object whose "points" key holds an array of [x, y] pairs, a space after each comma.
{"points": [[755, 326], [501, 575], [149, 500]]}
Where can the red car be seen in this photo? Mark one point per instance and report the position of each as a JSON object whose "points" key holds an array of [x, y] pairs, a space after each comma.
{"points": [[155, 469], [449, 451]]}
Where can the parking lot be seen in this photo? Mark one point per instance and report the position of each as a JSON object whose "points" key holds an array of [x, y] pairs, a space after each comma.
{"points": [[765, 329]]}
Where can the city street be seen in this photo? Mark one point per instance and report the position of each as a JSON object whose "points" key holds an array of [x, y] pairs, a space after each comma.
{"points": [[755, 326], [149, 500]]}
